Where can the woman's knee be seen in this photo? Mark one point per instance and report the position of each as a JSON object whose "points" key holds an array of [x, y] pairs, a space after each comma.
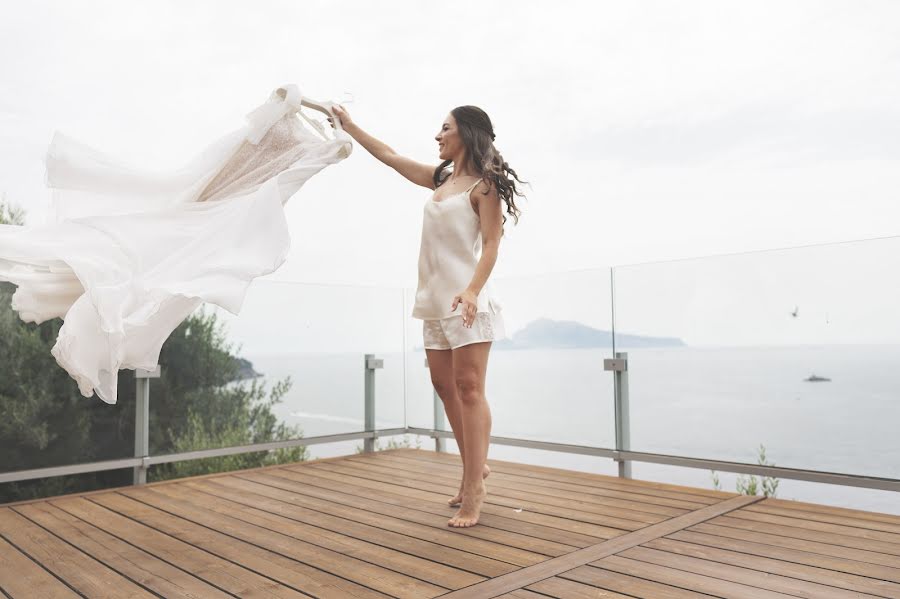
{"points": [[446, 389], [468, 387]]}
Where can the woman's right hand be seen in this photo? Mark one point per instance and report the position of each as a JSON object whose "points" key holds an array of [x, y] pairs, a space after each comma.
{"points": [[342, 114]]}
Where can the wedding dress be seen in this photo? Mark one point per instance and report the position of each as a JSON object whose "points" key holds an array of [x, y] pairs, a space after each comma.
{"points": [[125, 255]]}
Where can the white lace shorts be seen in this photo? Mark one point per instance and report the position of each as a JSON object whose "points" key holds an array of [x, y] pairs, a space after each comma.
{"points": [[449, 333]]}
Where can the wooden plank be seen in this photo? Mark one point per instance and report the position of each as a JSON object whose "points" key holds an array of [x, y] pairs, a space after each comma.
{"points": [[852, 521], [227, 563], [523, 594], [570, 589], [423, 560], [481, 557], [685, 580], [568, 519], [426, 503], [635, 507], [806, 546], [853, 531], [132, 562], [513, 499], [607, 580], [668, 504], [763, 573], [548, 472], [543, 491], [558, 565], [829, 509], [20, 576], [597, 481], [811, 535], [81, 572], [340, 564], [425, 513], [790, 562], [488, 511]]}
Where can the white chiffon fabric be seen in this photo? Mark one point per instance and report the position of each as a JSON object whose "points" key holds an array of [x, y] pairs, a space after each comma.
{"points": [[125, 256]]}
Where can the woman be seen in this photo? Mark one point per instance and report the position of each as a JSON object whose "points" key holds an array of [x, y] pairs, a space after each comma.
{"points": [[461, 315]]}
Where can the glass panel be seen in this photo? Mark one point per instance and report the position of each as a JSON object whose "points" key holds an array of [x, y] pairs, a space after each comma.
{"points": [[760, 331], [390, 401], [44, 419], [301, 344], [546, 381], [419, 390]]}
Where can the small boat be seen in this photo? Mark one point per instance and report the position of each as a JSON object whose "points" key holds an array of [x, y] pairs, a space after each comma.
{"points": [[816, 379]]}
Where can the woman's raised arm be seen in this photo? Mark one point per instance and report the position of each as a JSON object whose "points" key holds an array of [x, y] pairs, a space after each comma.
{"points": [[417, 172]]}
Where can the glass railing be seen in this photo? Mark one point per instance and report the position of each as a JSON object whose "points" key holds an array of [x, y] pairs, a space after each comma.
{"points": [[545, 382], [291, 366], [792, 350], [45, 423], [795, 350], [312, 340]]}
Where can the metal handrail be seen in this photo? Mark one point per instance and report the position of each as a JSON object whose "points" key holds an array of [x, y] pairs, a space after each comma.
{"points": [[138, 462], [818, 476]]}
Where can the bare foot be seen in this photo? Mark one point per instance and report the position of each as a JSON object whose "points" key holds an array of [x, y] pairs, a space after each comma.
{"points": [[471, 508], [459, 496]]}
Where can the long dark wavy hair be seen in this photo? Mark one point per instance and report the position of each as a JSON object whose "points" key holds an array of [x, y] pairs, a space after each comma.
{"points": [[477, 134]]}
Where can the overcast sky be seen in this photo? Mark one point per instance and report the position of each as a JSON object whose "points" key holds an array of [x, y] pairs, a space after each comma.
{"points": [[648, 130]]}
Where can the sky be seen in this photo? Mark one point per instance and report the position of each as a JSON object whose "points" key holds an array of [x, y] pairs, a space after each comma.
{"points": [[647, 131]]}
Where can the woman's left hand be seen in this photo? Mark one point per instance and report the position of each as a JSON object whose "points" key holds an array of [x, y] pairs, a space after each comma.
{"points": [[469, 303]]}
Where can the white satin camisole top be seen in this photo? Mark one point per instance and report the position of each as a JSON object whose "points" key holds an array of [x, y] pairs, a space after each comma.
{"points": [[448, 255]]}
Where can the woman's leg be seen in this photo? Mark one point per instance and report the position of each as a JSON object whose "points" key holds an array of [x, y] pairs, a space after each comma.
{"points": [[470, 369], [440, 365]]}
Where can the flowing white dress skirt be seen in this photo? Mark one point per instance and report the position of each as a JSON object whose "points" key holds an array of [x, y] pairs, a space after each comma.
{"points": [[126, 256]]}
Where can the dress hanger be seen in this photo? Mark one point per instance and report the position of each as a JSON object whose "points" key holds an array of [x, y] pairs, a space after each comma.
{"points": [[325, 107]]}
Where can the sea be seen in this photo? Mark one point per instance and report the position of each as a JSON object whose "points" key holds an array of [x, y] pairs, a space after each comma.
{"points": [[720, 403]]}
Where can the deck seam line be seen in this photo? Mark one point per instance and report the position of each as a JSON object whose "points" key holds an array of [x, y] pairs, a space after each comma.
{"points": [[543, 508], [549, 494], [82, 551], [360, 539], [192, 544], [435, 513], [40, 565], [860, 528], [255, 544], [679, 488], [523, 577], [554, 528], [810, 551], [156, 555], [717, 576]]}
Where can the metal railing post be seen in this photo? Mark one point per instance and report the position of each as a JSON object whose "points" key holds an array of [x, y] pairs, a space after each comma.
{"points": [[439, 422], [619, 365], [371, 364], [142, 421]]}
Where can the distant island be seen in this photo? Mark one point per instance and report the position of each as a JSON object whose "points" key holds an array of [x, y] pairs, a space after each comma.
{"points": [[244, 370], [568, 334], [547, 333]]}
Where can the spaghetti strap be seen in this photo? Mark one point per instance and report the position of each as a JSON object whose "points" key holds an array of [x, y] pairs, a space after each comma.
{"points": [[471, 187]]}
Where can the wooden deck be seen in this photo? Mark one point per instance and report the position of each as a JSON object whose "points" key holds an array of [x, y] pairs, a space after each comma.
{"points": [[375, 526]]}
